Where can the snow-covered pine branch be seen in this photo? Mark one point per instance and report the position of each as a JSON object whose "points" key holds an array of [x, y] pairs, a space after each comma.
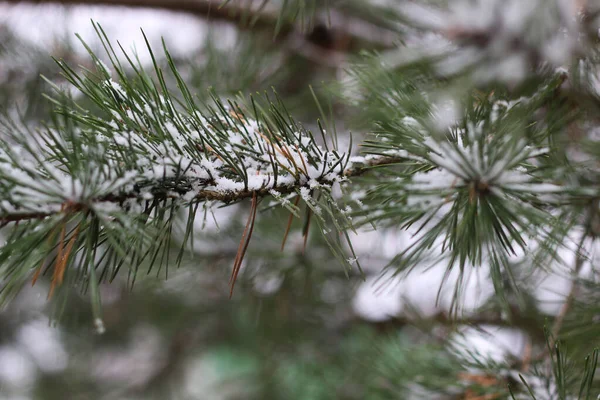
{"points": [[183, 165], [116, 181], [484, 186]]}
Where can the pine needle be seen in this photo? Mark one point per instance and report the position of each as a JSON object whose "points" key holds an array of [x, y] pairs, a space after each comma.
{"points": [[306, 228], [244, 242], [289, 224], [62, 258]]}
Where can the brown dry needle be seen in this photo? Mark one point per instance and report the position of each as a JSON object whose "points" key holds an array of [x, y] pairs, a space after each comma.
{"points": [[244, 242]]}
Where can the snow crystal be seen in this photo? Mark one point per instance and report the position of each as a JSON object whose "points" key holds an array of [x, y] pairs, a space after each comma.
{"points": [[114, 85], [305, 193], [99, 325]]}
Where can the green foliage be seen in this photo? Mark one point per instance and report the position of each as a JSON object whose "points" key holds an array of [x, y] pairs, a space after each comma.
{"points": [[480, 149], [112, 182]]}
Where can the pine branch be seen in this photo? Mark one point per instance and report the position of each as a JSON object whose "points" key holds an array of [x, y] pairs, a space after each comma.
{"points": [[232, 12], [228, 196], [361, 33], [115, 179]]}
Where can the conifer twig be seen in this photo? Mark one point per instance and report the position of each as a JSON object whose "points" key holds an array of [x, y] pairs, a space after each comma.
{"points": [[202, 195]]}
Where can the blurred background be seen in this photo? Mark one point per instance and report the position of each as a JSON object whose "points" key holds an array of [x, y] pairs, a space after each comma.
{"points": [[296, 327]]}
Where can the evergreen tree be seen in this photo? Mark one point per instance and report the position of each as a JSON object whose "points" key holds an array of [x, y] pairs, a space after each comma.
{"points": [[196, 225]]}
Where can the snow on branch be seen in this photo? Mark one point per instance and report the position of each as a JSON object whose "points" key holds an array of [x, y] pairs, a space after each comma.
{"points": [[114, 179], [226, 157]]}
